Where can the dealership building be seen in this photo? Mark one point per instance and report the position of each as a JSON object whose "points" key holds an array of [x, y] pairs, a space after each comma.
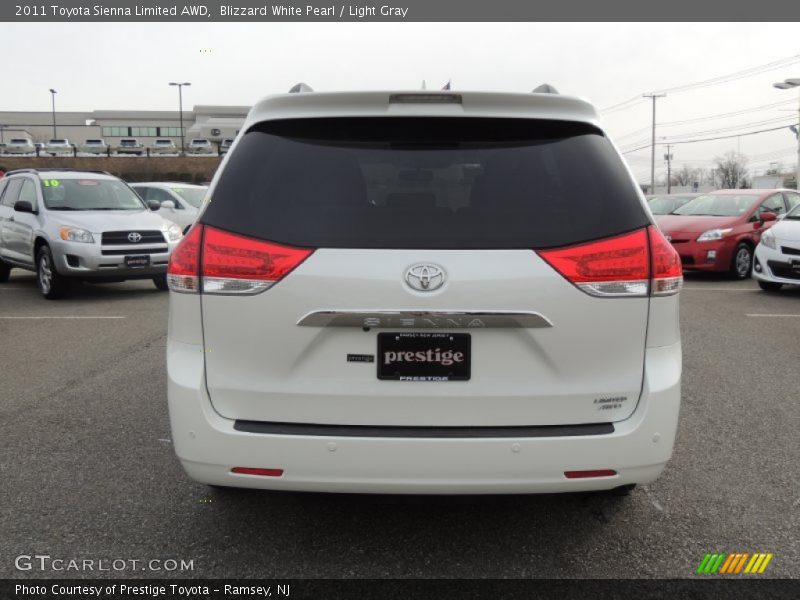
{"points": [[214, 123]]}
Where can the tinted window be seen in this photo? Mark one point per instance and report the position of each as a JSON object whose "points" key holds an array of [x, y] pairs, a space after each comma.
{"points": [[425, 183]]}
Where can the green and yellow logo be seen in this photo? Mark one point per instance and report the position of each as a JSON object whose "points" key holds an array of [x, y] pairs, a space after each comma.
{"points": [[734, 563]]}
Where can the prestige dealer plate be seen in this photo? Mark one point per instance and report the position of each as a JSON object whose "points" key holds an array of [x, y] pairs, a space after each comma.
{"points": [[406, 356]]}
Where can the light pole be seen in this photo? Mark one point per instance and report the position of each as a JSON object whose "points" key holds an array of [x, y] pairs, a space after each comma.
{"points": [[787, 85], [654, 97], [2, 128], [53, 95], [180, 109]]}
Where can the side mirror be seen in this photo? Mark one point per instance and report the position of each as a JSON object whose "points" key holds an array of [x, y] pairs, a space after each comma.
{"points": [[767, 217], [153, 204], [23, 206], [168, 204]]}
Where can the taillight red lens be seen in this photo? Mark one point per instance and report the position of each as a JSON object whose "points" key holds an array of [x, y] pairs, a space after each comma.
{"points": [[183, 272], [236, 264], [667, 269], [617, 266], [632, 264]]}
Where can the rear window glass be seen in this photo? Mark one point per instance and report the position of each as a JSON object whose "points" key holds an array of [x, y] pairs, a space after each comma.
{"points": [[19, 141], [425, 183]]}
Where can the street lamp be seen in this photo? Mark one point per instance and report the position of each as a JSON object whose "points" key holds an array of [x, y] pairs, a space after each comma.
{"points": [[53, 95], [789, 84], [180, 108]]}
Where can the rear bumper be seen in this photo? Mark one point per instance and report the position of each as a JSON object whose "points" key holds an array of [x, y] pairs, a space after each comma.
{"points": [[209, 446]]}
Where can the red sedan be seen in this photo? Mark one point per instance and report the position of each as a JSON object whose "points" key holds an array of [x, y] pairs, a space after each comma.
{"points": [[719, 231]]}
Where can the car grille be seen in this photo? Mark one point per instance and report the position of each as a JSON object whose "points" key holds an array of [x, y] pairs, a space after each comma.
{"points": [[687, 260], [792, 251], [136, 250], [119, 238], [784, 270]]}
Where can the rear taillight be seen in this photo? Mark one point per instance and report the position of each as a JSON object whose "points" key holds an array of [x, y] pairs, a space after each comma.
{"points": [[667, 277], [632, 264], [183, 272], [213, 261]]}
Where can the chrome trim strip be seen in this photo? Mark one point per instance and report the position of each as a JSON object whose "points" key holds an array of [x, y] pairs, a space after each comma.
{"points": [[424, 319]]}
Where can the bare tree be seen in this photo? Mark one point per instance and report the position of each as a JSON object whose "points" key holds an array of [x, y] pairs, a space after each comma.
{"points": [[684, 176], [731, 170]]}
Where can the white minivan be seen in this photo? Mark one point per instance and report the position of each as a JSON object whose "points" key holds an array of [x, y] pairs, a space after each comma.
{"points": [[424, 292]]}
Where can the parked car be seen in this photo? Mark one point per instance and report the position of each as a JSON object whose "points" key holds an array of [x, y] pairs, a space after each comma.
{"points": [[19, 146], [94, 146], [225, 145], [718, 231], [200, 146], [130, 146], [80, 225], [777, 258], [58, 146], [163, 146], [506, 324], [664, 204], [180, 202]]}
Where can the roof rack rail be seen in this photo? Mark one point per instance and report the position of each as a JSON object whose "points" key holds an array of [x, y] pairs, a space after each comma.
{"points": [[35, 170], [545, 88], [300, 88]]}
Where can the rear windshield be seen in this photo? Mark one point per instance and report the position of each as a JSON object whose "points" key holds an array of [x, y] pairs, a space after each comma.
{"points": [[89, 194], [58, 141], [94, 141], [459, 183], [19, 141], [723, 205]]}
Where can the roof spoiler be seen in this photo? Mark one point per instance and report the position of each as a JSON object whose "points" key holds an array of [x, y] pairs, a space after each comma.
{"points": [[300, 88]]}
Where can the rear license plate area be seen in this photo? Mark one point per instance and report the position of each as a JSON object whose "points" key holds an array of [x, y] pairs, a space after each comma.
{"points": [[137, 262], [407, 356]]}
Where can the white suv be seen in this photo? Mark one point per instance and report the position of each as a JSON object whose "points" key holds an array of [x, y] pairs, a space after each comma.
{"points": [[424, 292]]}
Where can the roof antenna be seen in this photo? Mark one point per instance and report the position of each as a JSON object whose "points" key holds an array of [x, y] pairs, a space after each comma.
{"points": [[545, 88], [447, 86], [300, 88]]}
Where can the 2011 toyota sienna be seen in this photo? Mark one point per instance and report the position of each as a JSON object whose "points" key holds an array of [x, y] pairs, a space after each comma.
{"points": [[424, 293]]}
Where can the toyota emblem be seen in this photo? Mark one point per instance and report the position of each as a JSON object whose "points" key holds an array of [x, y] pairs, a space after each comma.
{"points": [[425, 277], [134, 237]]}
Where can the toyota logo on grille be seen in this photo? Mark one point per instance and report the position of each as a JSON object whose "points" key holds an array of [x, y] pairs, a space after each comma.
{"points": [[134, 237], [425, 277]]}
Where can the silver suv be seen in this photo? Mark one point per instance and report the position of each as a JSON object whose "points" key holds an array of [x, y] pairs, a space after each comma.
{"points": [[69, 225], [424, 292]]}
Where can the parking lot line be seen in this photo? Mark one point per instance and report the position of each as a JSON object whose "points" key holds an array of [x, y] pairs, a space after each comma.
{"points": [[759, 315], [61, 317]]}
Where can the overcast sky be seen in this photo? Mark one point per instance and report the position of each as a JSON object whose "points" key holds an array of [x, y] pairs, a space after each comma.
{"points": [[128, 66]]}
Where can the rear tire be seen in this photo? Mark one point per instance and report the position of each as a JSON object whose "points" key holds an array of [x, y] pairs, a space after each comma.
{"points": [[160, 281], [769, 286], [51, 283], [5, 272], [742, 263]]}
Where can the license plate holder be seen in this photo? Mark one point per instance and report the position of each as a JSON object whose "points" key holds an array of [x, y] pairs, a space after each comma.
{"points": [[408, 356], [138, 261]]}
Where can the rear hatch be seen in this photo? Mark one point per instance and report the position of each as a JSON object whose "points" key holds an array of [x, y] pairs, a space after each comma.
{"points": [[422, 276]]}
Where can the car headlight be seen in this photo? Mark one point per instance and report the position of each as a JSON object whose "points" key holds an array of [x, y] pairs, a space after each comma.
{"points": [[174, 233], [768, 239], [75, 234], [713, 235]]}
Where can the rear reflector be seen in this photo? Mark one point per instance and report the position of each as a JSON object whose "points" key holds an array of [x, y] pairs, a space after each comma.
{"points": [[587, 474], [219, 262], [629, 265], [255, 471]]}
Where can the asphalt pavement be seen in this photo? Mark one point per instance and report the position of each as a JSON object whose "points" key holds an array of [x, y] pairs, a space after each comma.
{"points": [[88, 471]]}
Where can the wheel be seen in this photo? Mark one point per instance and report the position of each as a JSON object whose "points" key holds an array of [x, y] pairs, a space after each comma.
{"points": [[160, 281], [768, 286], [5, 272], [51, 283], [623, 490], [742, 262]]}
